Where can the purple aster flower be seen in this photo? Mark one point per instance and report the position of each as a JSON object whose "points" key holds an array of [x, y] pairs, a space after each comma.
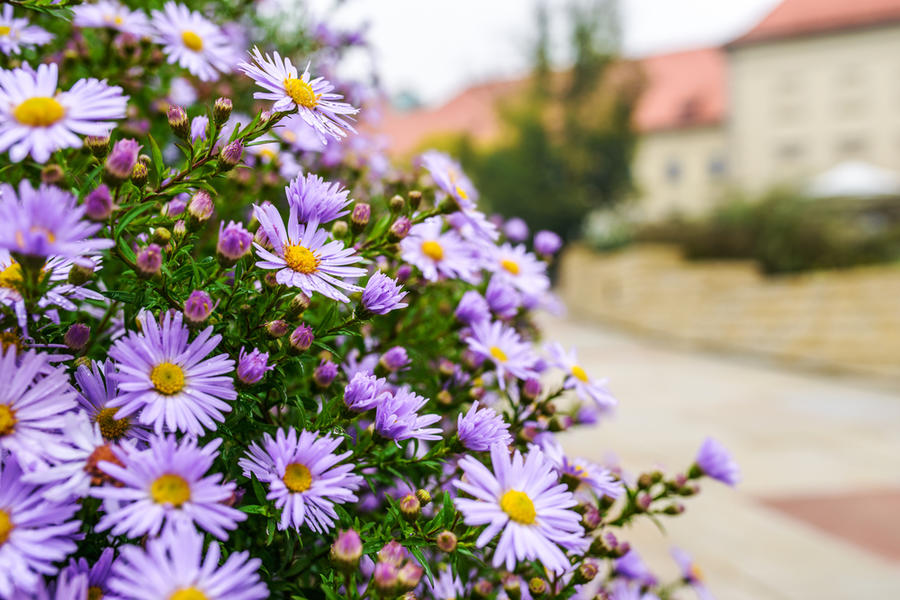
{"points": [[97, 574], [446, 586], [365, 391], [121, 160], [316, 199], [302, 137], [524, 500], [164, 486], [98, 385], [33, 398], [304, 257], [193, 41], [587, 389], [18, 33], [252, 367], [547, 243], [382, 295], [112, 14], [520, 268], [170, 381], [231, 154], [44, 222], [399, 229], [472, 308], [71, 584], [198, 306], [394, 359], [449, 177], [481, 428], [325, 373], [302, 337], [438, 254], [628, 590], [314, 99], [714, 460], [34, 533], [502, 298], [98, 204], [632, 567], [174, 567], [201, 206], [504, 347], [149, 260], [599, 479], [36, 120], [304, 477], [234, 242], [691, 573], [515, 230], [397, 418], [199, 125]]}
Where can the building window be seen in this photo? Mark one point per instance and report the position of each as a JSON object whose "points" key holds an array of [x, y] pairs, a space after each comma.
{"points": [[673, 170], [716, 167]]}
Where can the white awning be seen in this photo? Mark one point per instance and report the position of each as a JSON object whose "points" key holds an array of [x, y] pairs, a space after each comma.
{"points": [[854, 179]]}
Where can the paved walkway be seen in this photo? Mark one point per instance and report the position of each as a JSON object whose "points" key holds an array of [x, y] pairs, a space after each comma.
{"points": [[799, 437]]}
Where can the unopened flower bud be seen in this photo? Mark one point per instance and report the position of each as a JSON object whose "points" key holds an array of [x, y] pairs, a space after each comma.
{"points": [[409, 575], [396, 204], [201, 206], [674, 509], [149, 260], [586, 572], [162, 236], [446, 367], [302, 338], [537, 586], [346, 551], [198, 306], [252, 367], [52, 174], [178, 121], [410, 507], [644, 501], [394, 359], [234, 243], [299, 304], [222, 110], [446, 541], [83, 361], [277, 328], [77, 336], [512, 586], [98, 204], [120, 162], [179, 230], [591, 518], [403, 273], [324, 374], [483, 589], [230, 155], [139, 174], [271, 280], [145, 160], [359, 217], [80, 273], [98, 145], [384, 578], [645, 481], [393, 552], [423, 496], [532, 388], [415, 199], [339, 230], [399, 229]]}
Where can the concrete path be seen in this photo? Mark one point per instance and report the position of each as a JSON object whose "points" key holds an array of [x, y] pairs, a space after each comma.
{"points": [[795, 434]]}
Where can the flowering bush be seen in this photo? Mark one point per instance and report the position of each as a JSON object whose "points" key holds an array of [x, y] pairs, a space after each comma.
{"points": [[215, 389]]}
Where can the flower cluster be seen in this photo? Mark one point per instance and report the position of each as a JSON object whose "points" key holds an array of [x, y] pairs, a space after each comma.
{"points": [[243, 357]]}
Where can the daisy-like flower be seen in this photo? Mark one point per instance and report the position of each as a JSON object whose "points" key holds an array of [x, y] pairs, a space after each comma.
{"points": [[314, 99], [45, 221], [71, 584], [193, 41], [98, 386], [33, 398], [691, 573], [449, 177], [632, 567], [585, 387], [304, 257], [301, 136], [164, 486], [520, 268], [36, 120], [304, 477], [523, 501], [481, 428], [17, 33], [97, 574], [599, 479], [114, 15], [170, 381], [174, 567], [317, 199], [438, 254], [34, 533], [446, 586], [397, 418], [503, 346], [714, 460]]}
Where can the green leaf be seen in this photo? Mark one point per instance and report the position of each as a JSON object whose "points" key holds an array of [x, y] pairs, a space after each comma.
{"points": [[156, 155], [131, 215], [258, 490], [417, 552]]}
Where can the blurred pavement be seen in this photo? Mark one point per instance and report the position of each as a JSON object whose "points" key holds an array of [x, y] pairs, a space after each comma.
{"points": [[817, 515]]}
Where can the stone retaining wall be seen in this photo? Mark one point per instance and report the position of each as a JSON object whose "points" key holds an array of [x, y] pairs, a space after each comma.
{"points": [[841, 320]]}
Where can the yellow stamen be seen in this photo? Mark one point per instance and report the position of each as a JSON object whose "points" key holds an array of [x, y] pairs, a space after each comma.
{"points": [[40, 111], [190, 593], [301, 92], [119, 20], [10, 338], [6, 526], [301, 259], [7, 420], [433, 250], [461, 193], [297, 477], [510, 265], [5, 29], [170, 489], [11, 277], [695, 572], [94, 593], [518, 506], [579, 373], [167, 378], [499, 354], [111, 429], [192, 40]]}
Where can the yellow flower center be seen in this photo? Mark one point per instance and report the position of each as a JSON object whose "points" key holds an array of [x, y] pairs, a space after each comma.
{"points": [[579, 373], [170, 489], [7, 420], [111, 429], [268, 153], [167, 378], [94, 593], [297, 477], [498, 354], [510, 265], [5, 29], [11, 277], [192, 40], [461, 193], [432, 250], [301, 92], [695, 572], [6, 526], [190, 593], [301, 259], [518, 506], [40, 111], [9, 338]]}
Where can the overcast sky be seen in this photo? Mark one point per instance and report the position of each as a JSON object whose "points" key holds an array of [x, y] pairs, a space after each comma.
{"points": [[436, 48]]}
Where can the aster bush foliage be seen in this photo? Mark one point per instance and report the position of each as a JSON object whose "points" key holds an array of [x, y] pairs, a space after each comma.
{"points": [[244, 357]]}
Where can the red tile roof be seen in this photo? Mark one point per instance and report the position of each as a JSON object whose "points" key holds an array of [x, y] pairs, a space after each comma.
{"points": [[683, 89], [804, 17]]}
